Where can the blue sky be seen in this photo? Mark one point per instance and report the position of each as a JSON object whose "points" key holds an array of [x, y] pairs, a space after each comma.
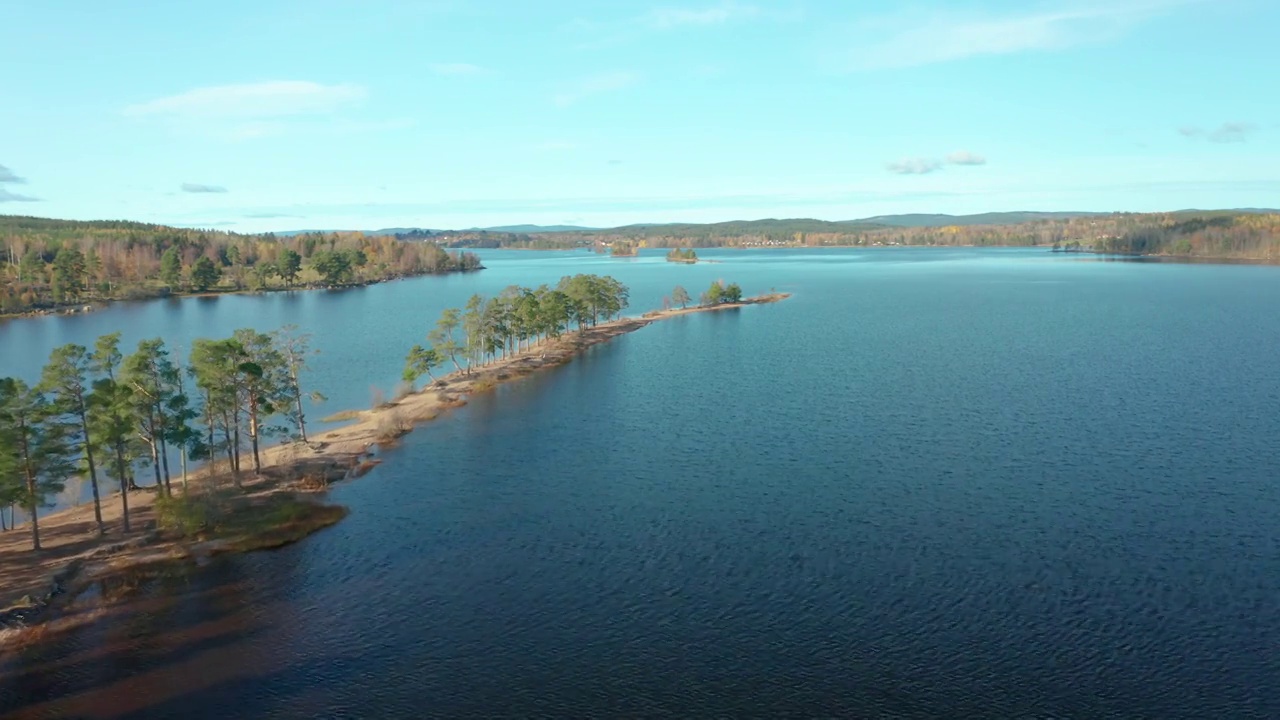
{"points": [[280, 114]]}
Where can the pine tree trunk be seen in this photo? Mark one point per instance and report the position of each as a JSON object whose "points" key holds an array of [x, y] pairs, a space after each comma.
{"points": [[35, 528], [297, 396], [93, 470], [155, 465], [30, 476], [124, 484], [233, 449], [164, 460], [253, 435]]}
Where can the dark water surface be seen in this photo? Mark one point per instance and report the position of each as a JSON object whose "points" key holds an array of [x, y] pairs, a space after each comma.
{"points": [[931, 484]]}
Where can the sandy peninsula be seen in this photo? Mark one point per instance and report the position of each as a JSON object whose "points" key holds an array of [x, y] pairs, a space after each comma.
{"points": [[280, 505]]}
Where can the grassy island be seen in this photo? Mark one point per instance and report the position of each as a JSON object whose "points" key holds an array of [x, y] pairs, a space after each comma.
{"points": [[686, 255], [137, 406]]}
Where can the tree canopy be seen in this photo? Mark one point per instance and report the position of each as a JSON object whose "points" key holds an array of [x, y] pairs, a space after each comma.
{"points": [[124, 415], [45, 263], [489, 328]]}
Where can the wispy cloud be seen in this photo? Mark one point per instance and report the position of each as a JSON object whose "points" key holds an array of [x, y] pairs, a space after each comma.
{"points": [[915, 39], [200, 188], [673, 17], [594, 85], [1229, 132], [926, 165], [456, 69], [6, 196], [251, 112], [599, 34], [282, 98], [964, 157], [8, 176], [914, 166], [327, 127], [272, 216]]}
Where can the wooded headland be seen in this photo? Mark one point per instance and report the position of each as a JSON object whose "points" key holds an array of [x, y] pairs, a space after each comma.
{"points": [[223, 507]]}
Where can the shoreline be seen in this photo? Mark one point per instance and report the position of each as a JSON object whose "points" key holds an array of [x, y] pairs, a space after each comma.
{"points": [[1188, 259], [84, 307], [283, 504]]}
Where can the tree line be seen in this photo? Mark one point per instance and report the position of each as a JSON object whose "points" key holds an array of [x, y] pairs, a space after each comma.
{"points": [[50, 263], [486, 329], [717, 294], [102, 415], [1224, 234]]}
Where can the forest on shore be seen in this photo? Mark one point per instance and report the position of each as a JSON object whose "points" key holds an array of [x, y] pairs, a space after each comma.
{"points": [[113, 417], [46, 264], [102, 415]]}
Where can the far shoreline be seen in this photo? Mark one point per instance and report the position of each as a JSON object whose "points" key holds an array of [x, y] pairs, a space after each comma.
{"points": [[90, 306]]}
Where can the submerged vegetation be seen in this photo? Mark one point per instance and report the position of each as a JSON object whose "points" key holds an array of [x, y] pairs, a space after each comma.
{"points": [[46, 264], [99, 414]]}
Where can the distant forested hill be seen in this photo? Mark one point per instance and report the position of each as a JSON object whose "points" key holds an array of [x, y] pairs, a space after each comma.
{"points": [[1239, 234]]}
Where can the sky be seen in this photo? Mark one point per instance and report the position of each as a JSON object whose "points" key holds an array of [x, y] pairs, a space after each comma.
{"points": [[256, 115]]}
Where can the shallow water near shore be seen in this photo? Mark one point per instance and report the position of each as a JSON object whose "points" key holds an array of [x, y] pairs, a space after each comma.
{"points": [[961, 483]]}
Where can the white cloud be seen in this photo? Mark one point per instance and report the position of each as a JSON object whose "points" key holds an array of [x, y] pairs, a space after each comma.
{"points": [[912, 40], [456, 69], [964, 157], [671, 17], [256, 100], [594, 85], [914, 166], [599, 34]]}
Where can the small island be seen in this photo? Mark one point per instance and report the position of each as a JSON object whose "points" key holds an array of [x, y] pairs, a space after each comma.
{"points": [[678, 255], [623, 249], [118, 415]]}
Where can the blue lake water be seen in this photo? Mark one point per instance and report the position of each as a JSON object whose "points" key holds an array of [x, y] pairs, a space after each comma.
{"points": [[934, 483]]}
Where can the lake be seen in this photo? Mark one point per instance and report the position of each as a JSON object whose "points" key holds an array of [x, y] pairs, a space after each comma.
{"points": [[933, 483]]}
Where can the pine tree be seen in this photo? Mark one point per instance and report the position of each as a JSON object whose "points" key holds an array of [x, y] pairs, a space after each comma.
{"points": [[112, 419], [151, 376], [295, 348], [39, 442], [171, 267], [262, 377], [66, 377]]}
